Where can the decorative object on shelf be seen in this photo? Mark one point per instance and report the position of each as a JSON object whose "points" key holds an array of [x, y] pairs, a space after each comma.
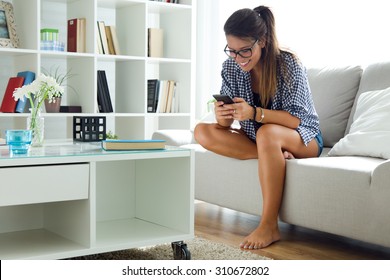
{"points": [[111, 135], [43, 88], [50, 40], [89, 129], [53, 107], [18, 140], [8, 36]]}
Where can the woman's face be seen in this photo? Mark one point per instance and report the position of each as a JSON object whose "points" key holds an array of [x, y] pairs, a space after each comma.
{"points": [[249, 51]]}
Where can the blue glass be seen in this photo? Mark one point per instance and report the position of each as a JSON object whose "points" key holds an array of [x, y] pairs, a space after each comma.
{"points": [[18, 140]]}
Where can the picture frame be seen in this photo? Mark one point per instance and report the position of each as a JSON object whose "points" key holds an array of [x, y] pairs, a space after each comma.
{"points": [[8, 35]]}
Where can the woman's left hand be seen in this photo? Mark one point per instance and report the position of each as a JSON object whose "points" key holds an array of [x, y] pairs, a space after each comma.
{"points": [[241, 109]]}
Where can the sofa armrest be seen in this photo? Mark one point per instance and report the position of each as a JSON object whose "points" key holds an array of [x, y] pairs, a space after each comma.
{"points": [[380, 175], [175, 137]]}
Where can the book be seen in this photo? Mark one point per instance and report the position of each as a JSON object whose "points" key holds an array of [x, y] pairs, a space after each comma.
{"points": [[118, 145], [110, 42], [23, 105], [100, 95], [8, 105], [115, 40], [171, 88], [162, 96], [155, 42], [103, 36], [81, 35], [70, 109], [153, 85], [106, 91], [76, 35]]}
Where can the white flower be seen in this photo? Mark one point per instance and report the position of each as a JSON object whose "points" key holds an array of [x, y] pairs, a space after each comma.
{"points": [[44, 87]]}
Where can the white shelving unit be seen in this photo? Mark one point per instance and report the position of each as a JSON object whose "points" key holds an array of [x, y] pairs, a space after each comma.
{"points": [[127, 73]]}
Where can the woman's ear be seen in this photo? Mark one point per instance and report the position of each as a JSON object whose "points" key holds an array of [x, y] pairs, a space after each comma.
{"points": [[262, 43]]}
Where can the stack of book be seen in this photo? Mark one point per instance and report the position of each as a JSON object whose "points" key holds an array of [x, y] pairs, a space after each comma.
{"points": [[107, 39], [163, 96], [9, 104]]}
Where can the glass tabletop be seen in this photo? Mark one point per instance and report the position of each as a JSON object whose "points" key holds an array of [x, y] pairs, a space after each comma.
{"points": [[73, 148]]}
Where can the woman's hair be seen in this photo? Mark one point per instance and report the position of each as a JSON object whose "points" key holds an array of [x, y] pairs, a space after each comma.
{"points": [[259, 24]]}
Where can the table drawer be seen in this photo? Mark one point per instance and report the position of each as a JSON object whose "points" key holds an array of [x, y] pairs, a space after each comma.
{"points": [[43, 183]]}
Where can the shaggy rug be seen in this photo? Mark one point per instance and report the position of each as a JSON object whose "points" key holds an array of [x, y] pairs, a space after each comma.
{"points": [[200, 249]]}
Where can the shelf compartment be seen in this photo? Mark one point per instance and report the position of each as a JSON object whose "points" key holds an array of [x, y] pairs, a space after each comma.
{"points": [[128, 17], [45, 230], [146, 200], [36, 244]]}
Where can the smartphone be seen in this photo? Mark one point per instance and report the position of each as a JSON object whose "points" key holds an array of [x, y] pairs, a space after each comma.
{"points": [[225, 98]]}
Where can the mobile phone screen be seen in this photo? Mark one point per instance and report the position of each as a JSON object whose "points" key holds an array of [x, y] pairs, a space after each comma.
{"points": [[226, 99]]}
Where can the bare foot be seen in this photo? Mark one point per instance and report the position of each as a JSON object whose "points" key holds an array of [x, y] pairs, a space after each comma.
{"points": [[261, 237], [288, 155]]}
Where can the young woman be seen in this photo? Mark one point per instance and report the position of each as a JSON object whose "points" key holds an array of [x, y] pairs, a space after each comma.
{"points": [[274, 107]]}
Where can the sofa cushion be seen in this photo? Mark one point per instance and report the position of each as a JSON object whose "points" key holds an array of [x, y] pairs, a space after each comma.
{"points": [[334, 91], [375, 77], [370, 131]]}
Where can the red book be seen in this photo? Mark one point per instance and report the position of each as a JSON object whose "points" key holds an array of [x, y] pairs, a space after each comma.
{"points": [[72, 35], [9, 103], [76, 35]]}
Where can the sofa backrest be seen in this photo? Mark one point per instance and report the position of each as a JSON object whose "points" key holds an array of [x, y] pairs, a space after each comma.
{"points": [[375, 77], [334, 91]]}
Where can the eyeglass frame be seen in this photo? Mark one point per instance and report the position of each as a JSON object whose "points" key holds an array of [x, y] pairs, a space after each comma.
{"points": [[226, 50]]}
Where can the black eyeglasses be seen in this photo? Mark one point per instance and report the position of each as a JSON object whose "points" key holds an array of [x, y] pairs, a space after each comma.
{"points": [[245, 53]]}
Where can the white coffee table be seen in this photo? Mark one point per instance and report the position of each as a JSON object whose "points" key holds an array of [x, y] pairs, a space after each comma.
{"points": [[70, 199]]}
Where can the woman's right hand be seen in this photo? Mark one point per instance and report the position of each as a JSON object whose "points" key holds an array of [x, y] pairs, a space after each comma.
{"points": [[223, 115]]}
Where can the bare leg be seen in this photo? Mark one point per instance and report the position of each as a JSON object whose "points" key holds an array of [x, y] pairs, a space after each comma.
{"points": [[225, 141], [272, 140]]}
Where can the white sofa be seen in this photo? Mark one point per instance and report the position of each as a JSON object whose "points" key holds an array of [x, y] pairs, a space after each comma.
{"points": [[344, 195]]}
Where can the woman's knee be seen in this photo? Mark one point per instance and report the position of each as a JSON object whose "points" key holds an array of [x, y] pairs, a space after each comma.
{"points": [[267, 136], [202, 133]]}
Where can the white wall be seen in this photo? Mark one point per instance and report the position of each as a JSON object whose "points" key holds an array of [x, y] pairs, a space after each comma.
{"points": [[322, 33]]}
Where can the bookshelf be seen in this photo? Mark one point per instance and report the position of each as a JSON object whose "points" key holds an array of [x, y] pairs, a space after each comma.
{"points": [[127, 73]]}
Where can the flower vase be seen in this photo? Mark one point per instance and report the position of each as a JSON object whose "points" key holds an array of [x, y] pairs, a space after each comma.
{"points": [[36, 123]]}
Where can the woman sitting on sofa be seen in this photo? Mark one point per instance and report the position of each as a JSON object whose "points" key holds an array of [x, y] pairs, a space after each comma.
{"points": [[274, 107]]}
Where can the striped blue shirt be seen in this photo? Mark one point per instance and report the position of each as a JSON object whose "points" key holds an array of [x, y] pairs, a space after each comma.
{"points": [[292, 95]]}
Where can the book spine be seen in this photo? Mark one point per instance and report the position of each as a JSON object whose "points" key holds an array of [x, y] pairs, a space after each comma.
{"points": [[152, 92], [115, 40], [100, 95], [80, 36], [103, 37], [72, 35], [8, 104], [106, 92], [109, 40], [23, 104]]}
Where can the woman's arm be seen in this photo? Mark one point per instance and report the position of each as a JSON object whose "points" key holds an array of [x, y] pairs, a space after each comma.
{"points": [[244, 111]]}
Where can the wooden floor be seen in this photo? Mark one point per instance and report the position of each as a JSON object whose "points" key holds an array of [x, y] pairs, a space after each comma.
{"points": [[230, 227]]}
